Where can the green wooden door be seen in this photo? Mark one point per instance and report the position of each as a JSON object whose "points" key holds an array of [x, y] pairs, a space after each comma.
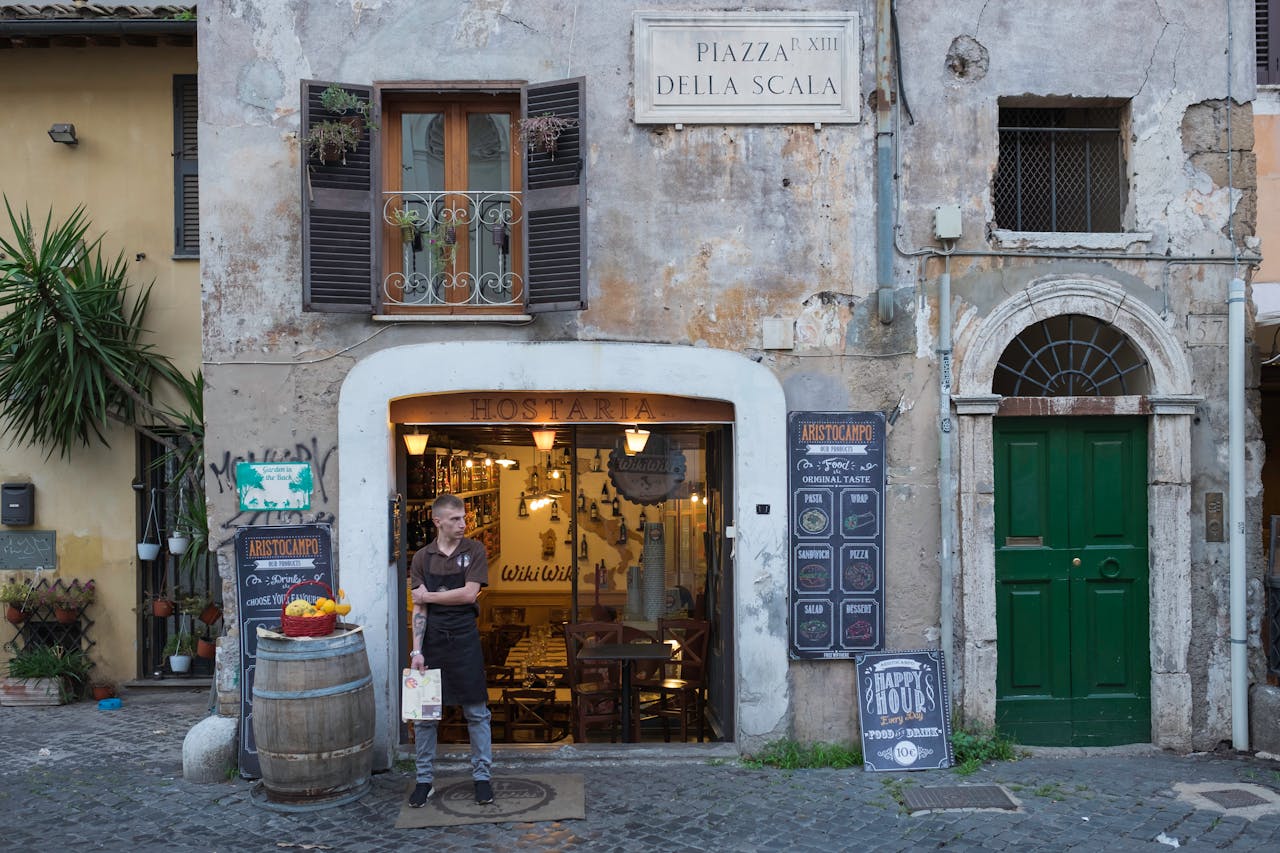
{"points": [[1071, 580]]}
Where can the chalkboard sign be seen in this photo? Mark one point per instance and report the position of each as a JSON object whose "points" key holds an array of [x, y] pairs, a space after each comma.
{"points": [[904, 710], [28, 549], [269, 560], [836, 483]]}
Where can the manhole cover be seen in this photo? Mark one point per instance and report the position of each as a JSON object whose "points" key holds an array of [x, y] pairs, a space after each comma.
{"points": [[1233, 798], [958, 797]]}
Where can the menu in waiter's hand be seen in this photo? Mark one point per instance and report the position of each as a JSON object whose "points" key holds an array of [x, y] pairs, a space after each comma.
{"points": [[420, 695]]}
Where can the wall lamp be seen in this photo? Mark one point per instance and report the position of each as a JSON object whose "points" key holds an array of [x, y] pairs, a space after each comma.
{"points": [[64, 133]]}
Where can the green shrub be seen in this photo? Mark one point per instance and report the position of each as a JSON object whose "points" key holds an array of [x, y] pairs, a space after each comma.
{"points": [[792, 755], [974, 747]]}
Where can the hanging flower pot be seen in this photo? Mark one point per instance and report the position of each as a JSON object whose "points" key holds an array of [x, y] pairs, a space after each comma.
{"points": [[180, 663], [148, 550], [211, 613], [178, 544], [162, 608], [206, 648], [16, 615], [65, 616]]}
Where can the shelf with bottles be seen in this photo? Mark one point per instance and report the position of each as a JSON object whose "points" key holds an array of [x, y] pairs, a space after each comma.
{"points": [[482, 509], [438, 471]]}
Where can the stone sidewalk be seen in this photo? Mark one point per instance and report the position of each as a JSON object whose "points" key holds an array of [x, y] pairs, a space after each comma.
{"points": [[75, 775]]}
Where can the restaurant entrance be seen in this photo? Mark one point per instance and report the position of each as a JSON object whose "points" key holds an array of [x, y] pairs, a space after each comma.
{"points": [[597, 532]]}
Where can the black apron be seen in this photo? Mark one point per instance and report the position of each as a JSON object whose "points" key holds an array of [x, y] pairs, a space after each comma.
{"points": [[452, 645]]}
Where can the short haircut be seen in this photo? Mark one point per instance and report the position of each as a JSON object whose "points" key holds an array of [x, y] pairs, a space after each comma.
{"points": [[447, 502]]}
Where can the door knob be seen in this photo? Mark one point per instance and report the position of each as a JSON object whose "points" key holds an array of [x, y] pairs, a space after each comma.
{"points": [[1075, 561]]}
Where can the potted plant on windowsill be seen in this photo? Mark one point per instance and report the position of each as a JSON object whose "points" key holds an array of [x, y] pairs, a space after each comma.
{"points": [[179, 649], [19, 598]]}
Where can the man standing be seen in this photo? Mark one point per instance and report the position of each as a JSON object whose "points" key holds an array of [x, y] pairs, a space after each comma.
{"points": [[446, 576]]}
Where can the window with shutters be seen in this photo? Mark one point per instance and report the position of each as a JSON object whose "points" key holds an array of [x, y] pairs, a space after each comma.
{"points": [[452, 236], [1267, 40], [440, 208], [186, 172], [1060, 169]]}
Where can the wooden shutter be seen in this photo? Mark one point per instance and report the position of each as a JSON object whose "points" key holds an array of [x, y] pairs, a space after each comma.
{"points": [[339, 256], [186, 172], [1267, 39], [555, 203]]}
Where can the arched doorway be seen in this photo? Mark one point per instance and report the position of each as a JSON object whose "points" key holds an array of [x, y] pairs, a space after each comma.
{"points": [[1150, 406]]}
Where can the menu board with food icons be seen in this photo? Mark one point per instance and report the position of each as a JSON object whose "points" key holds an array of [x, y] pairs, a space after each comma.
{"points": [[836, 487]]}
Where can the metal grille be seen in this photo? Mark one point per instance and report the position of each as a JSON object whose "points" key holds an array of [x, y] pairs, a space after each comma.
{"points": [[1060, 169], [1071, 356]]}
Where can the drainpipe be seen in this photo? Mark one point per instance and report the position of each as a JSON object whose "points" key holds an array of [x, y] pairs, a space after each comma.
{"points": [[1235, 490], [884, 164], [946, 484], [1235, 454]]}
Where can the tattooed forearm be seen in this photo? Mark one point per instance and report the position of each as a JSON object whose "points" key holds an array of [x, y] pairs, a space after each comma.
{"points": [[419, 627]]}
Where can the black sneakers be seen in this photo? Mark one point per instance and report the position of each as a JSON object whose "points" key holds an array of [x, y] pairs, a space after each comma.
{"points": [[421, 793], [484, 792]]}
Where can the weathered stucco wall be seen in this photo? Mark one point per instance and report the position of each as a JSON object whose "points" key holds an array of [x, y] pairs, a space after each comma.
{"points": [[121, 101], [697, 235]]}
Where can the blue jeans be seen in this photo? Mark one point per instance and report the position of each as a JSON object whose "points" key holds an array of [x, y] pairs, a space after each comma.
{"points": [[477, 717]]}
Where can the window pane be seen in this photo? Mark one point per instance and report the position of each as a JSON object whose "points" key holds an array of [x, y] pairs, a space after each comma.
{"points": [[489, 158], [422, 155]]}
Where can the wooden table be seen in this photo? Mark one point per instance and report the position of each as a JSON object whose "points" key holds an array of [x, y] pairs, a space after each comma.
{"points": [[627, 654]]}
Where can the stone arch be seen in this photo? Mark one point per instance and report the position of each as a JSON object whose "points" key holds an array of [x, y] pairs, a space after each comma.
{"points": [[1054, 296], [1170, 406]]}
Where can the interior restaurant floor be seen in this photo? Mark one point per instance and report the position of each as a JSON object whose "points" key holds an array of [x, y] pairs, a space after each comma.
{"points": [[112, 780]]}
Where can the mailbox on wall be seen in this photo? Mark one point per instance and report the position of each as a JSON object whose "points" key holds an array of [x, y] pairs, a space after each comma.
{"points": [[18, 504]]}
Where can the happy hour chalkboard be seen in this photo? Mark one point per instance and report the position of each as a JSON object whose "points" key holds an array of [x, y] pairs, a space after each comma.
{"points": [[836, 482], [904, 710], [269, 560]]}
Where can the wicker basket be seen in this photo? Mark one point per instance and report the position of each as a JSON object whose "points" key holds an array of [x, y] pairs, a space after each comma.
{"points": [[306, 626]]}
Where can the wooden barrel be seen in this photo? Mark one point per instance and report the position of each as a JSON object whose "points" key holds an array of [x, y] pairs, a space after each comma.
{"points": [[313, 717]]}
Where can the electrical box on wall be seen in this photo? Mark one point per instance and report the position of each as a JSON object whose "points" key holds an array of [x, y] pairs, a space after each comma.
{"points": [[18, 504], [946, 222]]}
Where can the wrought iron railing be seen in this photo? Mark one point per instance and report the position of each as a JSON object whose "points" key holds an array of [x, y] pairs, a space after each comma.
{"points": [[455, 248]]}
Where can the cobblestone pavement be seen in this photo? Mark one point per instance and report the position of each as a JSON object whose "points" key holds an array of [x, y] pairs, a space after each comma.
{"points": [[78, 776]]}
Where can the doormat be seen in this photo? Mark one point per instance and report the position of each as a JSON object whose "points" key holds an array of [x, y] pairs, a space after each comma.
{"points": [[523, 799]]}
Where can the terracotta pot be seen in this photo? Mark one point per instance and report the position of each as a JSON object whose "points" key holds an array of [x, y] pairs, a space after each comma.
{"points": [[15, 615], [206, 648], [103, 691], [211, 613], [66, 617], [162, 607]]}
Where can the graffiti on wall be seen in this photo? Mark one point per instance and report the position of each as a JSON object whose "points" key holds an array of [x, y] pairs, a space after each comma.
{"points": [[310, 451]]}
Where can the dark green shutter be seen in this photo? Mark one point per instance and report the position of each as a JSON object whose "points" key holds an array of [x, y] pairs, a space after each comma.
{"points": [[555, 203], [339, 257], [186, 172]]}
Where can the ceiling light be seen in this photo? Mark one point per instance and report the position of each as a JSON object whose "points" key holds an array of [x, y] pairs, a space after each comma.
{"points": [[416, 442], [544, 439], [636, 439], [504, 462]]}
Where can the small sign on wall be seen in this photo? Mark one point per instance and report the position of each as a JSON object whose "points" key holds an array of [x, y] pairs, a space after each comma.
{"points": [[274, 485]]}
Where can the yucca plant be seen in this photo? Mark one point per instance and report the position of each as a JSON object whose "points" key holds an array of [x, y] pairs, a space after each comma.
{"points": [[72, 354]]}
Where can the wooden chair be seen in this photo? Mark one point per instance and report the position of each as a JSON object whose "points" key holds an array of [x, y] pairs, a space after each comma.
{"points": [[545, 675], [595, 687], [682, 693], [504, 637], [532, 712], [500, 676]]}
